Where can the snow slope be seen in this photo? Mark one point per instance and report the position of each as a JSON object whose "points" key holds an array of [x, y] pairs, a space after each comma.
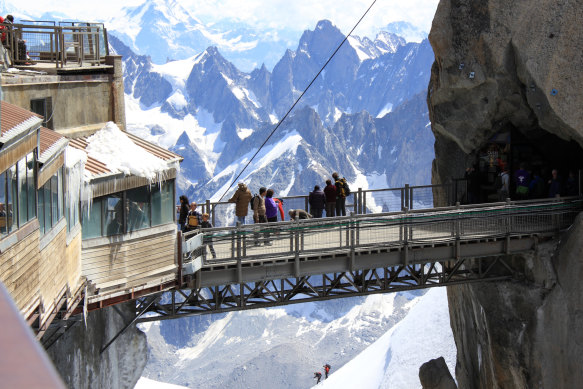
{"points": [[393, 361]]}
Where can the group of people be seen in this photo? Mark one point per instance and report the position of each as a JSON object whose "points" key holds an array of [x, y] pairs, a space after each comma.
{"points": [[524, 184], [266, 207], [190, 219], [318, 375], [19, 52]]}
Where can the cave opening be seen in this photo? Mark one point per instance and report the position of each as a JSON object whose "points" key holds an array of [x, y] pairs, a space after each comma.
{"points": [[539, 153]]}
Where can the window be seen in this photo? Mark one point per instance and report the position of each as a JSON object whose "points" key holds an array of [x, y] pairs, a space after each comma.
{"points": [[43, 107], [138, 208], [128, 211], [163, 204], [50, 202], [92, 217], [18, 194]]}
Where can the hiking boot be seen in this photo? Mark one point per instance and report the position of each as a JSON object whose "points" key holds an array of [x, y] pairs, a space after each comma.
{"points": [[268, 244]]}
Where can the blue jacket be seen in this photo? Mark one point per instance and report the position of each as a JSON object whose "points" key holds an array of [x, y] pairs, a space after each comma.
{"points": [[270, 207]]}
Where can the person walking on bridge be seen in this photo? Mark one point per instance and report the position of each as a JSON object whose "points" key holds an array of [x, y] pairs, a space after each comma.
{"points": [[241, 198]]}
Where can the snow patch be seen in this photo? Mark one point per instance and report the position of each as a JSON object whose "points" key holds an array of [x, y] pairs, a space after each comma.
{"points": [[386, 110], [112, 147]]}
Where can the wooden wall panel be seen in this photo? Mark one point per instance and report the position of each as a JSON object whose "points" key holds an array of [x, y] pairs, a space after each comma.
{"points": [[121, 266]]}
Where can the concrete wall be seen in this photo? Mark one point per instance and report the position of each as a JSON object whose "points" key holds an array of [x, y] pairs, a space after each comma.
{"points": [[77, 104]]}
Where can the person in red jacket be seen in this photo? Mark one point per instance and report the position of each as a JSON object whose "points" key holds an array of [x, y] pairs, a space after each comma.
{"points": [[279, 203], [330, 193]]}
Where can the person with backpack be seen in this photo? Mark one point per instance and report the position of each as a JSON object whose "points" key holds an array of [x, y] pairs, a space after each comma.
{"points": [[194, 218], [522, 181], [318, 376], [258, 207], [241, 198], [330, 193], [327, 369], [317, 200], [342, 191]]}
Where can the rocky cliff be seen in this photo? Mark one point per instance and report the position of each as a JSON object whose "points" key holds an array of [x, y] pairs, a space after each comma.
{"points": [[512, 65], [80, 363]]}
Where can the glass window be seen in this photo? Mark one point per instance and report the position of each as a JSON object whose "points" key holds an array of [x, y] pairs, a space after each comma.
{"points": [[113, 215], [3, 219], [163, 204], [47, 205], [54, 199], [30, 179], [60, 193], [22, 192], [11, 201], [41, 212], [92, 218], [138, 208]]}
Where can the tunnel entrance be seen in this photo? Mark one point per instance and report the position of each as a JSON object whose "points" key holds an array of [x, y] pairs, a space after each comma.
{"points": [[539, 153]]}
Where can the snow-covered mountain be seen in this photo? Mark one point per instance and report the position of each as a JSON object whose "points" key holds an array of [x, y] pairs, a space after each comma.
{"points": [[282, 347], [365, 116]]}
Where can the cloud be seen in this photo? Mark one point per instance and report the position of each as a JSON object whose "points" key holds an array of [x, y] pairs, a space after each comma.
{"points": [[303, 14]]}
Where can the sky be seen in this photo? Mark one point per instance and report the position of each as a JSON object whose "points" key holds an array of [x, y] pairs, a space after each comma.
{"points": [[298, 14]]}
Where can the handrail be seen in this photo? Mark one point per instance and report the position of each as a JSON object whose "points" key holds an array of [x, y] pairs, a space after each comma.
{"points": [[357, 232], [363, 200], [56, 44]]}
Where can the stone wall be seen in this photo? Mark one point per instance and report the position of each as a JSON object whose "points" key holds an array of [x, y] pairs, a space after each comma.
{"points": [[77, 357], [511, 65]]}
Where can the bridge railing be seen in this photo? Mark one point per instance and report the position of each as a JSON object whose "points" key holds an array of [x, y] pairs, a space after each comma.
{"points": [[360, 201], [267, 241]]}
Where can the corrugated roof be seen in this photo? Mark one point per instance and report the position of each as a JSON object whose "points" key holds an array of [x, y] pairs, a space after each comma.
{"points": [[13, 117], [50, 142], [98, 168]]}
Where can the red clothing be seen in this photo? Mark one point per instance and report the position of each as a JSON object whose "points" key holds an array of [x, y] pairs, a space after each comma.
{"points": [[279, 204], [330, 192]]}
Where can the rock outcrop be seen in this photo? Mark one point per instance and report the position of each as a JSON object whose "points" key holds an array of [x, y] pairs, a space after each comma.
{"points": [[435, 375], [78, 358], [512, 65]]}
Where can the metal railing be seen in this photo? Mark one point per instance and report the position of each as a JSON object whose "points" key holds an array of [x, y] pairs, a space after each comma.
{"points": [[363, 232], [69, 43], [359, 202]]}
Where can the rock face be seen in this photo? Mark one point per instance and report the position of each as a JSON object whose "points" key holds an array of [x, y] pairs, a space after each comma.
{"points": [[77, 356], [435, 375], [511, 65]]}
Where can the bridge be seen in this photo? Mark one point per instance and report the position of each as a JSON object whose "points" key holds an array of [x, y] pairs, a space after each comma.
{"points": [[274, 264], [317, 259]]}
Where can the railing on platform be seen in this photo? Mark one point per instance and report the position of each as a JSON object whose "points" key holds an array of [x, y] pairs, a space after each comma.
{"points": [[79, 43], [359, 202], [357, 232]]}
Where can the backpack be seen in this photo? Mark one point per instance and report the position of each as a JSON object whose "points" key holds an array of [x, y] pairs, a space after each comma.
{"points": [[192, 221], [346, 187], [252, 203]]}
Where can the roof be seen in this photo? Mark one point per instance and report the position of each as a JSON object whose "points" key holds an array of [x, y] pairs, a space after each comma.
{"points": [[51, 143], [97, 168], [15, 120]]}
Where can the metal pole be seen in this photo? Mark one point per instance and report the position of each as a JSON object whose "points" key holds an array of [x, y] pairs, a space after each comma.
{"points": [[352, 241], [297, 249]]}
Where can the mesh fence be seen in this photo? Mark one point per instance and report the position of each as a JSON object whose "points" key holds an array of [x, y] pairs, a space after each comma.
{"points": [[283, 240]]}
